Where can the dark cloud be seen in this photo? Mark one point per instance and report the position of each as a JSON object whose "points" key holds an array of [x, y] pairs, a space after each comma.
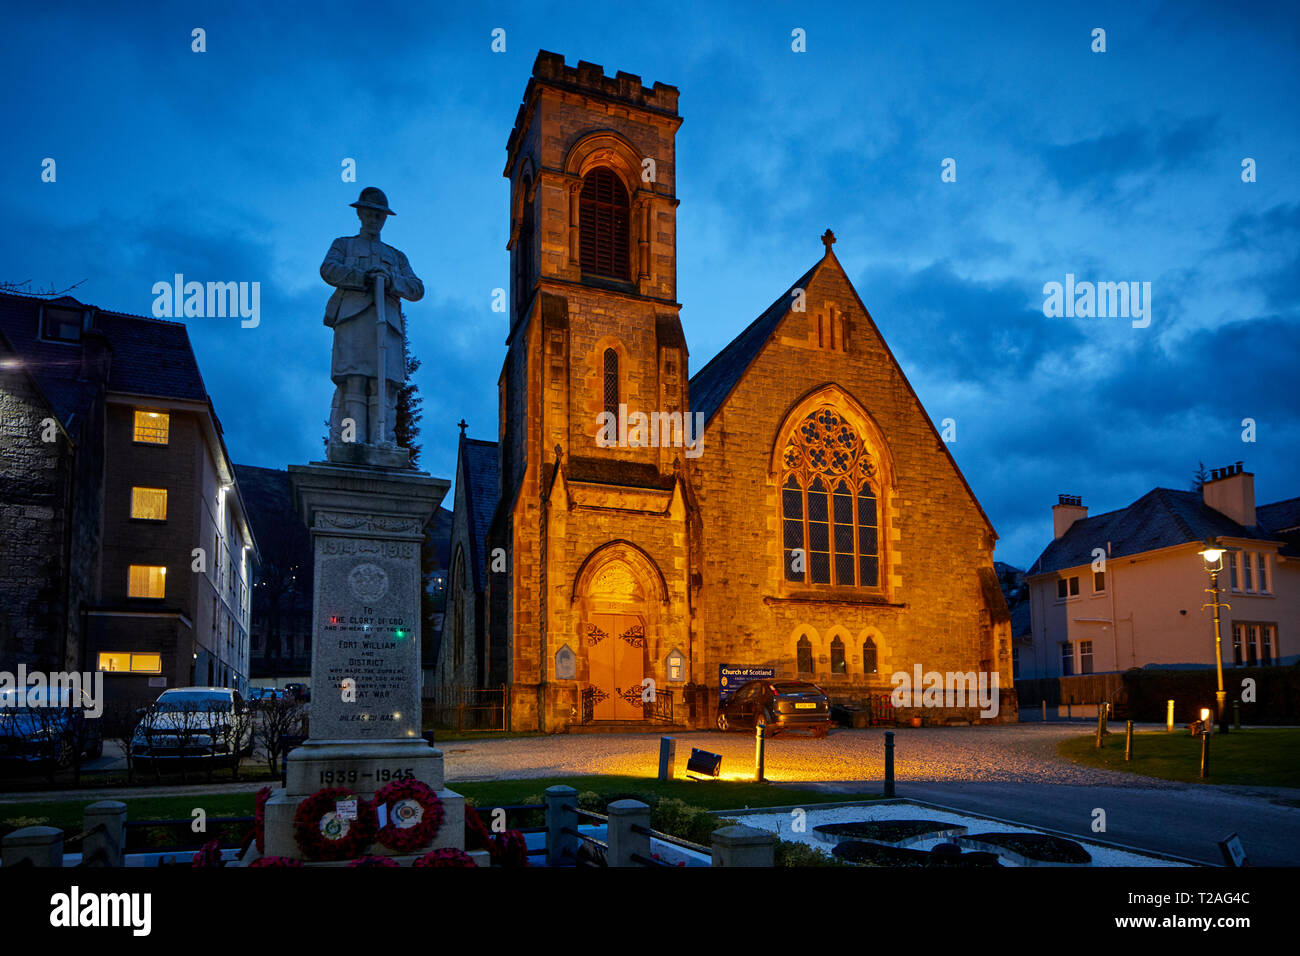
{"points": [[1161, 145]]}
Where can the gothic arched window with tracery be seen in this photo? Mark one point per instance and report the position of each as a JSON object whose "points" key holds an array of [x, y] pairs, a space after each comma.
{"points": [[829, 504]]}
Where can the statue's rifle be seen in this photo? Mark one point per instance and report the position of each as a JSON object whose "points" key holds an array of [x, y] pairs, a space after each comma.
{"points": [[381, 342]]}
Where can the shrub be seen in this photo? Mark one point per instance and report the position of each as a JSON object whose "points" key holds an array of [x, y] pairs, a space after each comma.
{"points": [[791, 853]]}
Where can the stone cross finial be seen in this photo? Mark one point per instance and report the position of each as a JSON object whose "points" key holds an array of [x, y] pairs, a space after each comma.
{"points": [[828, 238], [463, 425]]}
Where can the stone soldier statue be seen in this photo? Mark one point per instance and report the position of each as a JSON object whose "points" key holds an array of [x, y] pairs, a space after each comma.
{"points": [[352, 266]]}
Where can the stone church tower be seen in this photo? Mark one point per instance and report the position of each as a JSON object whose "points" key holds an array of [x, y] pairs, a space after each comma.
{"points": [[597, 596], [793, 509]]}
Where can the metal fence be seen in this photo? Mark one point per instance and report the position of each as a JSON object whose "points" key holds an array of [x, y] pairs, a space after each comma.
{"points": [[473, 708]]}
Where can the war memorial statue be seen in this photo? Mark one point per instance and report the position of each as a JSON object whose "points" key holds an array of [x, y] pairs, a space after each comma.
{"points": [[368, 363]]}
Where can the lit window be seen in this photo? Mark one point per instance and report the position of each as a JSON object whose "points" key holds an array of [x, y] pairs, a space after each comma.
{"points": [[147, 581], [829, 505], [152, 428], [122, 662], [869, 656], [149, 503]]}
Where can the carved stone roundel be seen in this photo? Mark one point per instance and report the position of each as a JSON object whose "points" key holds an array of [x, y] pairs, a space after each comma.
{"points": [[368, 582]]}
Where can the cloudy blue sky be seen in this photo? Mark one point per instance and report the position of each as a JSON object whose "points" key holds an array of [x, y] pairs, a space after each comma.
{"points": [[1123, 165]]}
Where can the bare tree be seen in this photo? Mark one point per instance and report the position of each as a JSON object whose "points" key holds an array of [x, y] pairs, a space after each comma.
{"points": [[120, 719], [278, 718], [23, 287]]}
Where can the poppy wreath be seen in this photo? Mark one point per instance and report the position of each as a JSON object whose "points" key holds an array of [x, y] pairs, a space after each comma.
{"points": [[477, 835], [321, 838], [415, 821], [209, 855], [448, 856], [509, 849], [259, 818]]}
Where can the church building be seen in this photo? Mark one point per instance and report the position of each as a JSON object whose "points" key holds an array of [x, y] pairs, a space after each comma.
{"points": [[789, 507]]}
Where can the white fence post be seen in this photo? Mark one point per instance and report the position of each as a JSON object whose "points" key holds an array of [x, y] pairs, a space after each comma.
{"points": [[39, 846], [625, 817], [743, 846], [559, 844], [103, 846]]}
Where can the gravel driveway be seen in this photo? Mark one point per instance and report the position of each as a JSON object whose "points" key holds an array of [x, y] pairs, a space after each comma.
{"points": [[1017, 753]]}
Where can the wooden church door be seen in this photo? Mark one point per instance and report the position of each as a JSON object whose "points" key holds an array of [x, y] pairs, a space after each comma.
{"points": [[615, 645]]}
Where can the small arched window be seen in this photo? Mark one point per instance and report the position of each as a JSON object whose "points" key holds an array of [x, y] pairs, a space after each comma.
{"points": [[456, 619], [611, 382], [524, 244], [869, 656], [803, 655], [838, 664], [603, 222]]}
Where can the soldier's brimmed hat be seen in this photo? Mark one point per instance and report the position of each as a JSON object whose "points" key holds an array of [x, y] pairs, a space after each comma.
{"points": [[373, 198]]}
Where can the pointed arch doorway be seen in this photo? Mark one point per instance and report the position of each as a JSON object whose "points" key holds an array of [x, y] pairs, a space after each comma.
{"points": [[616, 664], [616, 591]]}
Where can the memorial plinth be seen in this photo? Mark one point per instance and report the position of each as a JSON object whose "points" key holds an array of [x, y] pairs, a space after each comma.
{"points": [[367, 526]]}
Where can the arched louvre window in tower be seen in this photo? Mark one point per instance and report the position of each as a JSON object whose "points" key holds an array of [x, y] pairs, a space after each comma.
{"points": [[603, 224], [829, 499]]}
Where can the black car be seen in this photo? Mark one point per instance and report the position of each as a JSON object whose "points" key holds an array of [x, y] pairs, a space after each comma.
{"points": [[43, 727], [780, 704]]}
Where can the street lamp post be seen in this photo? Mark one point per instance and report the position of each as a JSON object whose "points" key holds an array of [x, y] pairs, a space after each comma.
{"points": [[1213, 557]]}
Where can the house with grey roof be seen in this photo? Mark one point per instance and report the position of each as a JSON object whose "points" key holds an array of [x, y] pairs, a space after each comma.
{"points": [[1128, 588]]}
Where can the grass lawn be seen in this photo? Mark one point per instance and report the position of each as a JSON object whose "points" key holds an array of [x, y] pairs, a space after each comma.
{"points": [[65, 813], [709, 794], [1259, 756]]}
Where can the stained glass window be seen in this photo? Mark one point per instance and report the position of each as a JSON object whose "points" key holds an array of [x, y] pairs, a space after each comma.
{"points": [[828, 504]]}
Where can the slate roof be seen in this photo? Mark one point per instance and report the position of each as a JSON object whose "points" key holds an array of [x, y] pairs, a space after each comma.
{"points": [[1161, 518], [149, 356], [1280, 515], [439, 533], [268, 500], [711, 385], [478, 469]]}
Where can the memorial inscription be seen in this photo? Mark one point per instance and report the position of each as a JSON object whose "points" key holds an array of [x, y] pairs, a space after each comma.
{"points": [[366, 662]]}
